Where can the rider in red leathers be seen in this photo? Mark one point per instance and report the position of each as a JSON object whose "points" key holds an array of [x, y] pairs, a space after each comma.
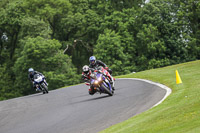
{"points": [[86, 77]]}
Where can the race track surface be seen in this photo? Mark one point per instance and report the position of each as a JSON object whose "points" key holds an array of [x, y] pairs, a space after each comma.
{"points": [[73, 110]]}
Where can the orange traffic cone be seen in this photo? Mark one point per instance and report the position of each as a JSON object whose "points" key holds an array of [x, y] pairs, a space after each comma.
{"points": [[178, 78]]}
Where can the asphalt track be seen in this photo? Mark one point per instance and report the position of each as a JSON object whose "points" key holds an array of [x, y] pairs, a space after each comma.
{"points": [[73, 110]]}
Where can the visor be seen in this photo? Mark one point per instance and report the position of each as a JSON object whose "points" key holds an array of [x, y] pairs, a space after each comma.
{"points": [[92, 61], [86, 72]]}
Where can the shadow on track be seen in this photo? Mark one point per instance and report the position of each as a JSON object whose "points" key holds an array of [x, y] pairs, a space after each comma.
{"points": [[96, 98], [34, 95], [87, 100]]}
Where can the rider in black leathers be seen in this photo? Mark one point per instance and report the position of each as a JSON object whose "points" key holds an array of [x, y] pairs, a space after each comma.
{"points": [[95, 63], [31, 76]]}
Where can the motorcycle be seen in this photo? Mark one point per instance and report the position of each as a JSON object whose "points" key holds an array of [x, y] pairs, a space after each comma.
{"points": [[100, 81], [41, 83]]}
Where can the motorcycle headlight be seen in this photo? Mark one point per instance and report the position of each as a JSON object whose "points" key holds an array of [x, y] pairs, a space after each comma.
{"points": [[96, 82], [99, 79]]}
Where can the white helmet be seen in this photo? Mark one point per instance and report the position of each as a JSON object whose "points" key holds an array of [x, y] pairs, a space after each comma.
{"points": [[86, 69]]}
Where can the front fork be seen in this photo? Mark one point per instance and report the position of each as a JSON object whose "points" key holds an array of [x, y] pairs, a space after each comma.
{"points": [[110, 78], [45, 82]]}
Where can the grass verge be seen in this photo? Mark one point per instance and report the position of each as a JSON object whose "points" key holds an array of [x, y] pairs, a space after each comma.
{"points": [[179, 113]]}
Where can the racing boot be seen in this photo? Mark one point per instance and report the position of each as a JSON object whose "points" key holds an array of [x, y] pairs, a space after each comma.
{"points": [[37, 89], [46, 82]]}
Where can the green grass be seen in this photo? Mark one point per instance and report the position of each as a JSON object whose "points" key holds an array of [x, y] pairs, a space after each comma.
{"points": [[179, 113]]}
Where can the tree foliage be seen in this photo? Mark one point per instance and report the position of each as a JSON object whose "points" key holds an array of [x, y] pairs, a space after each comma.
{"points": [[57, 38], [44, 56], [109, 49]]}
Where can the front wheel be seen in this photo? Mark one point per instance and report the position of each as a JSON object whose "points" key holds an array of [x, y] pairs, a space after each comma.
{"points": [[110, 93], [45, 88]]}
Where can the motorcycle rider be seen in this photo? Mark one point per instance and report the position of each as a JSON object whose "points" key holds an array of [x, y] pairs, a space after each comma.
{"points": [[95, 63], [86, 77], [31, 77]]}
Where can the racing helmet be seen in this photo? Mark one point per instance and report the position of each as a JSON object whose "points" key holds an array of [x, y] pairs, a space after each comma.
{"points": [[86, 69], [92, 60], [31, 71]]}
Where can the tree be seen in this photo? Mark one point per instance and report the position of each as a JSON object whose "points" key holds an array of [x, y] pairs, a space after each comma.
{"points": [[150, 49], [123, 25], [189, 18], [7, 90], [124, 4], [80, 32], [33, 27], [10, 24], [44, 56], [50, 11], [160, 34], [109, 50], [144, 36]]}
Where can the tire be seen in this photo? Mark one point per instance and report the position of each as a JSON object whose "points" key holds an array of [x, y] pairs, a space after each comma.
{"points": [[107, 90], [45, 88]]}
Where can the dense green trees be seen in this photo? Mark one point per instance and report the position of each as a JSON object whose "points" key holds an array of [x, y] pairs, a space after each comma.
{"points": [[44, 56], [110, 50], [128, 35]]}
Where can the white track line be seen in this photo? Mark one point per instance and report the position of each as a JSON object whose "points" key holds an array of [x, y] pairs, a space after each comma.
{"points": [[159, 85]]}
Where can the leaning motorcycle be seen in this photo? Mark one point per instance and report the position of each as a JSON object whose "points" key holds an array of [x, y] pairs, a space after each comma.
{"points": [[40, 83], [100, 81]]}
